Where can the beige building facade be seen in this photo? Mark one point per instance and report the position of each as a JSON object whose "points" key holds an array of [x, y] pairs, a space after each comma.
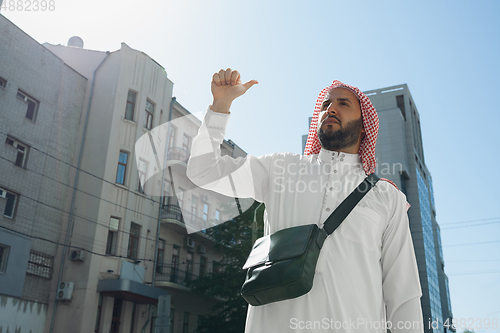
{"points": [[115, 221], [133, 97]]}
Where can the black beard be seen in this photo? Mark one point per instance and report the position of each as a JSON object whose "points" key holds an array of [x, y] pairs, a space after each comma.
{"points": [[345, 137]]}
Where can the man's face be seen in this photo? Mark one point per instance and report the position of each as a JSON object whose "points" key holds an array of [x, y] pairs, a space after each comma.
{"points": [[340, 125]]}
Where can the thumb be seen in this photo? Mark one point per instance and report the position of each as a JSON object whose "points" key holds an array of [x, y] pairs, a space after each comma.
{"points": [[250, 83]]}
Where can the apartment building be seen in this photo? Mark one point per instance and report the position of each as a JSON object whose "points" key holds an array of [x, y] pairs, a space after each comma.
{"points": [[89, 239], [41, 100], [132, 99], [115, 220]]}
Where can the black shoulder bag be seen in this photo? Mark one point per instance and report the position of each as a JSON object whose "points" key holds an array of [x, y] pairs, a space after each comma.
{"points": [[282, 265]]}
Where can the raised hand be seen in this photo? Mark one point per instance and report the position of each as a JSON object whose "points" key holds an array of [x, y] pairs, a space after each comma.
{"points": [[227, 86]]}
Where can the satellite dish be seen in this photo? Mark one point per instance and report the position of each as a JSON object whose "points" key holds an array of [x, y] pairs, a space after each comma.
{"points": [[75, 41]]}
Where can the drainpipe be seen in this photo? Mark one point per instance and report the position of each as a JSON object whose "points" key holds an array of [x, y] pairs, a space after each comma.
{"points": [[70, 222], [160, 213], [162, 196]]}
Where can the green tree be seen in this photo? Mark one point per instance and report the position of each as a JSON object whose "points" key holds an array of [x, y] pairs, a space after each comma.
{"points": [[233, 240]]}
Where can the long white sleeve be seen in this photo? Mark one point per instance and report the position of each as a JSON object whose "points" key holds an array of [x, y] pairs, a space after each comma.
{"points": [[401, 283], [209, 170], [408, 317]]}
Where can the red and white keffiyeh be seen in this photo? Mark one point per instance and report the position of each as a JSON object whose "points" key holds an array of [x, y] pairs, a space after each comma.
{"points": [[370, 125]]}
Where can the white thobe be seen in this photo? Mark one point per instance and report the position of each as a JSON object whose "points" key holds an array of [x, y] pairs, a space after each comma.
{"points": [[366, 277]]}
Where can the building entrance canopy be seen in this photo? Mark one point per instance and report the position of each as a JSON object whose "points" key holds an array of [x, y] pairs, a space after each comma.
{"points": [[130, 291]]}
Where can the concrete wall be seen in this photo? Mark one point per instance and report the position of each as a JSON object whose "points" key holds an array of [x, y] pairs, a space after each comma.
{"points": [[42, 184], [100, 197], [12, 279], [18, 315]]}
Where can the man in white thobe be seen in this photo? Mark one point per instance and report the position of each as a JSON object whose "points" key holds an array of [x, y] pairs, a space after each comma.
{"points": [[366, 277]]}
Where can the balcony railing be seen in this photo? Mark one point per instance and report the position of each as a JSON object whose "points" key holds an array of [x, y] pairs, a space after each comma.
{"points": [[178, 154], [172, 212], [169, 273]]}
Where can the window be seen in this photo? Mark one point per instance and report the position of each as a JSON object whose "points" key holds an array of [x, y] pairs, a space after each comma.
{"points": [[40, 264], [161, 255], [10, 205], [133, 241], [172, 315], [4, 256], [175, 263], [166, 192], [33, 104], [98, 318], [217, 215], [185, 325], [142, 168], [186, 143], [3, 82], [129, 109], [171, 136], [205, 212], [150, 108], [116, 317], [153, 319], [132, 323], [203, 266], [114, 224], [401, 105], [22, 151], [122, 168], [194, 207], [216, 267], [180, 197], [189, 266]]}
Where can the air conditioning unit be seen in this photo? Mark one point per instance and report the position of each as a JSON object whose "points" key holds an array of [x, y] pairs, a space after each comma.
{"points": [[202, 249], [205, 198], [189, 242], [65, 291], [77, 255]]}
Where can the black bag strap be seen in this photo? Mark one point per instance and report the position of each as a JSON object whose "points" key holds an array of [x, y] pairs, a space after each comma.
{"points": [[345, 208]]}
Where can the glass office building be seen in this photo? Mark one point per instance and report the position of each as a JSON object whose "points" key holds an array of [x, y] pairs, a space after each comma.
{"points": [[400, 157]]}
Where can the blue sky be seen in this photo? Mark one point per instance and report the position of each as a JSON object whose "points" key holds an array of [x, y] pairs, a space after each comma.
{"points": [[446, 51]]}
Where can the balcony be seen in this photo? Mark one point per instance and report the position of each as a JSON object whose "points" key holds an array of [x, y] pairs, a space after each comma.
{"points": [[178, 154], [172, 212], [168, 273]]}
